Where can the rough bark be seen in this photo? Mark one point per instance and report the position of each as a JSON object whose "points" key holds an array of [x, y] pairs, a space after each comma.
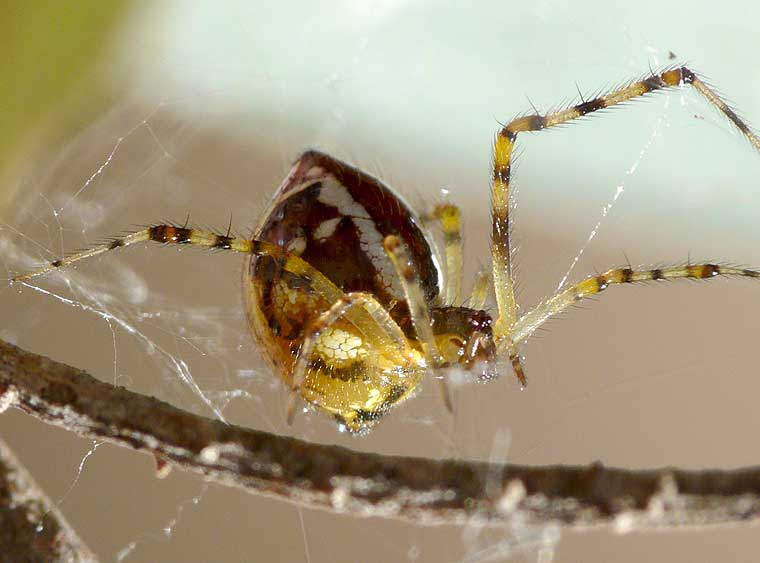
{"points": [[425, 491], [31, 527]]}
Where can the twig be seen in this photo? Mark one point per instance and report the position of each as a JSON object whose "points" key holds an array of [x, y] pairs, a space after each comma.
{"points": [[362, 484], [31, 528]]}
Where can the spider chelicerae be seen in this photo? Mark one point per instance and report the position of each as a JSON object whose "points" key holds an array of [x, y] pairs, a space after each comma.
{"points": [[347, 300]]}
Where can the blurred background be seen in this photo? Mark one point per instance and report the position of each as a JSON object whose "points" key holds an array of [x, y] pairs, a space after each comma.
{"points": [[122, 114]]}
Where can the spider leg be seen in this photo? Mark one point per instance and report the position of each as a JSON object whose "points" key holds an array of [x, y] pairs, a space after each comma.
{"points": [[478, 301], [164, 233], [502, 168], [324, 321], [563, 299], [448, 216], [480, 289], [418, 308], [171, 234]]}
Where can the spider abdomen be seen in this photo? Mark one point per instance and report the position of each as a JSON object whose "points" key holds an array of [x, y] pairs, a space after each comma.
{"points": [[335, 217]]}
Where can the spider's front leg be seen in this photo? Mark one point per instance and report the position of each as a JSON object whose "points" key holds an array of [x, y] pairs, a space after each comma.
{"points": [[506, 324], [501, 257]]}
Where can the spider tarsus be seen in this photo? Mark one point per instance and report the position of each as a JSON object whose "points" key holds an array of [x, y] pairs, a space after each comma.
{"points": [[514, 359], [292, 406], [446, 395]]}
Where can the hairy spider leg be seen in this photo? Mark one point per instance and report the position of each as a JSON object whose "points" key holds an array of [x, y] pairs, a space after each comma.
{"points": [[339, 310], [418, 308], [449, 218], [502, 167], [480, 289], [171, 234], [593, 285]]}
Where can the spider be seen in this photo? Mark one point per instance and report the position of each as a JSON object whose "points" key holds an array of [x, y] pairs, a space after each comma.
{"points": [[346, 297]]}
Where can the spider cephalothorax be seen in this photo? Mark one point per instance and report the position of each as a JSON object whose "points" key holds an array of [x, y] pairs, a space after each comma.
{"points": [[465, 339], [346, 298]]}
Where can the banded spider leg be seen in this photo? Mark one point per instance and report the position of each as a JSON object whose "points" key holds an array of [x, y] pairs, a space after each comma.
{"points": [[510, 328]]}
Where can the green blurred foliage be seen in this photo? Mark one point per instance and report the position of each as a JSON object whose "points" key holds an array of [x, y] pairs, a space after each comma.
{"points": [[49, 53]]}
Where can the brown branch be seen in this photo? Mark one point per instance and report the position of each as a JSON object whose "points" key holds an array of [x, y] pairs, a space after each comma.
{"points": [[31, 528], [362, 484]]}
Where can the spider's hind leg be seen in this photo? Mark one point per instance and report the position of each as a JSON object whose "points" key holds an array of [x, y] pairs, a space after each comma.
{"points": [[360, 317]]}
